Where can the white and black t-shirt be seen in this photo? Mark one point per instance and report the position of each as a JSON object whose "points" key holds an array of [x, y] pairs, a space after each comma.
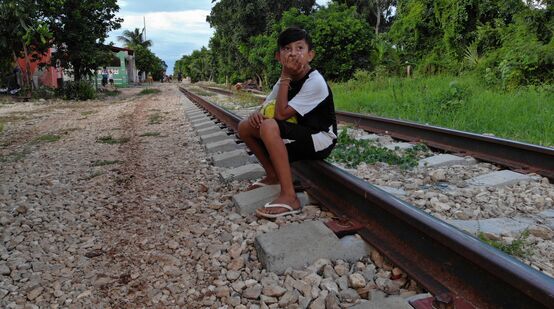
{"points": [[312, 100]]}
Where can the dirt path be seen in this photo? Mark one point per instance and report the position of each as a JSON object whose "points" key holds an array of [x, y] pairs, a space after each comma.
{"points": [[102, 214]]}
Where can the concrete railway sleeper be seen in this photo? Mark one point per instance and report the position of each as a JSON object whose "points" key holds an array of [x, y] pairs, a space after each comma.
{"points": [[457, 269]]}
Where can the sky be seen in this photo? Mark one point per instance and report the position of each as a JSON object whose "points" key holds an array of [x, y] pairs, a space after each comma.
{"points": [[176, 27]]}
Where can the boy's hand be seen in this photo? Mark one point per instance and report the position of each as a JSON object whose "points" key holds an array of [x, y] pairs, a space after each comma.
{"points": [[255, 119], [292, 65]]}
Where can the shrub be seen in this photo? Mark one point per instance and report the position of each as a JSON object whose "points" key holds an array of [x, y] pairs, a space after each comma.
{"points": [[77, 90]]}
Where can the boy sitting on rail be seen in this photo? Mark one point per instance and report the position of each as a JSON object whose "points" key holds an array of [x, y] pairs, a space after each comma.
{"points": [[300, 92]]}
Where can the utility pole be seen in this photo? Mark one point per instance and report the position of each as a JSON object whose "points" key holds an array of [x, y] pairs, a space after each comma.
{"points": [[144, 29]]}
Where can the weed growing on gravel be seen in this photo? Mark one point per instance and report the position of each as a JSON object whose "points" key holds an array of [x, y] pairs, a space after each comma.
{"points": [[352, 152], [86, 113], [112, 93], [150, 134], [155, 119], [201, 92], [245, 99], [1, 127], [518, 247], [105, 162], [149, 91], [93, 175], [108, 139], [48, 138], [15, 156]]}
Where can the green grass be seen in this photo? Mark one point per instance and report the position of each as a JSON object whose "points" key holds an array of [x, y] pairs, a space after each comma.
{"points": [[104, 162], [201, 92], [48, 138], [108, 139], [150, 134], [112, 93], [1, 127], [155, 118], [518, 247], [86, 113], [462, 103], [16, 156], [149, 91]]}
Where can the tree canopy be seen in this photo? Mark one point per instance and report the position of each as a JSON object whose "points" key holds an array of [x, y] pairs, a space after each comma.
{"points": [[134, 38], [507, 43]]}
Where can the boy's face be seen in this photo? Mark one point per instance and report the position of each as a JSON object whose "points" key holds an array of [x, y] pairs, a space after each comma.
{"points": [[295, 52]]}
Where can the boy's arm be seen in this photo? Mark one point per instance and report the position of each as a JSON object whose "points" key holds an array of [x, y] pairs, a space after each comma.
{"points": [[283, 110]]}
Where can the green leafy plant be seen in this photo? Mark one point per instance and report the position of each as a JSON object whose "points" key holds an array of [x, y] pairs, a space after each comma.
{"points": [[104, 162], [149, 91], [518, 247], [48, 138], [352, 152], [155, 119], [151, 134], [77, 90], [108, 139]]}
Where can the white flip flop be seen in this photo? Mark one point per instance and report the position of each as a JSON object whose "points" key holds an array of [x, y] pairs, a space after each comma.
{"points": [[291, 211]]}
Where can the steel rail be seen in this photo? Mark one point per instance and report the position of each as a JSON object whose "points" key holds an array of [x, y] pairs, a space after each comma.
{"points": [[458, 269], [516, 155]]}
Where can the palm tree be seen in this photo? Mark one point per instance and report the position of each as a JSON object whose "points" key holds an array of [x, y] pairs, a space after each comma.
{"points": [[134, 38]]}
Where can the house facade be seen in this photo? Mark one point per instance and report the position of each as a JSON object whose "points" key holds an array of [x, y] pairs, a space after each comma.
{"points": [[122, 67]]}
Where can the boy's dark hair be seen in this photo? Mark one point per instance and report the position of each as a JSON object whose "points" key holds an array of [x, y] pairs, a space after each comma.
{"points": [[293, 34]]}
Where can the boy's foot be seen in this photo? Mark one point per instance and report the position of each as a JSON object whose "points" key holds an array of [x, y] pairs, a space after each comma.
{"points": [[279, 208], [262, 183]]}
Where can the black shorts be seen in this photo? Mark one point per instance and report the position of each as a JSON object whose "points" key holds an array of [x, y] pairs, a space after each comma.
{"points": [[302, 147]]}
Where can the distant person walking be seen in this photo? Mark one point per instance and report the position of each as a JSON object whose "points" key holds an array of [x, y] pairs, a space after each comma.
{"points": [[110, 77], [149, 79], [104, 77]]}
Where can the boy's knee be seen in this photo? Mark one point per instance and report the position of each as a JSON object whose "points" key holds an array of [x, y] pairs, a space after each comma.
{"points": [[269, 128]]}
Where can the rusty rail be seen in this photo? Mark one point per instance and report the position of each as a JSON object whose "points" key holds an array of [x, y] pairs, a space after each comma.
{"points": [[458, 269], [516, 155]]}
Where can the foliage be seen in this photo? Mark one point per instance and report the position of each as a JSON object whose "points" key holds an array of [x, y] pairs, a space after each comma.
{"points": [[48, 138], [79, 30], [518, 247], [77, 90], [235, 22], [378, 13], [149, 91], [24, 33], [134, 38], [352, 152], [108, 139], [148, 62], [105, 162]]}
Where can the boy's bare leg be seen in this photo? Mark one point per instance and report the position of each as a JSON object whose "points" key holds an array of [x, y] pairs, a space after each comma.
{"points": [[251, 137], [269, 132]]}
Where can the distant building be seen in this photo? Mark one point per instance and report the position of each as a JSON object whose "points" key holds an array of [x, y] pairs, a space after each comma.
{"points": [[122, 66], [43, 74]]}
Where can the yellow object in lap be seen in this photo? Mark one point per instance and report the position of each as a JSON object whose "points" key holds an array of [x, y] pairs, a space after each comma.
{"points": [[268, 110]]}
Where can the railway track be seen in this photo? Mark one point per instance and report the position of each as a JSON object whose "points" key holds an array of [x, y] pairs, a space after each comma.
{"points": [[457, 269], [522, 157]]}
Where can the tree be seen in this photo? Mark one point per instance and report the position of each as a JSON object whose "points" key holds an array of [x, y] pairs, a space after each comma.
{"points": [[148, 62], [80, 29], [235, 22], [23, 32], [378, 13], [134, 38]]}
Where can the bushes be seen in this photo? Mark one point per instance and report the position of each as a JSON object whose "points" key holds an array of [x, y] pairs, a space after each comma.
{"points": [[77, 90]]}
